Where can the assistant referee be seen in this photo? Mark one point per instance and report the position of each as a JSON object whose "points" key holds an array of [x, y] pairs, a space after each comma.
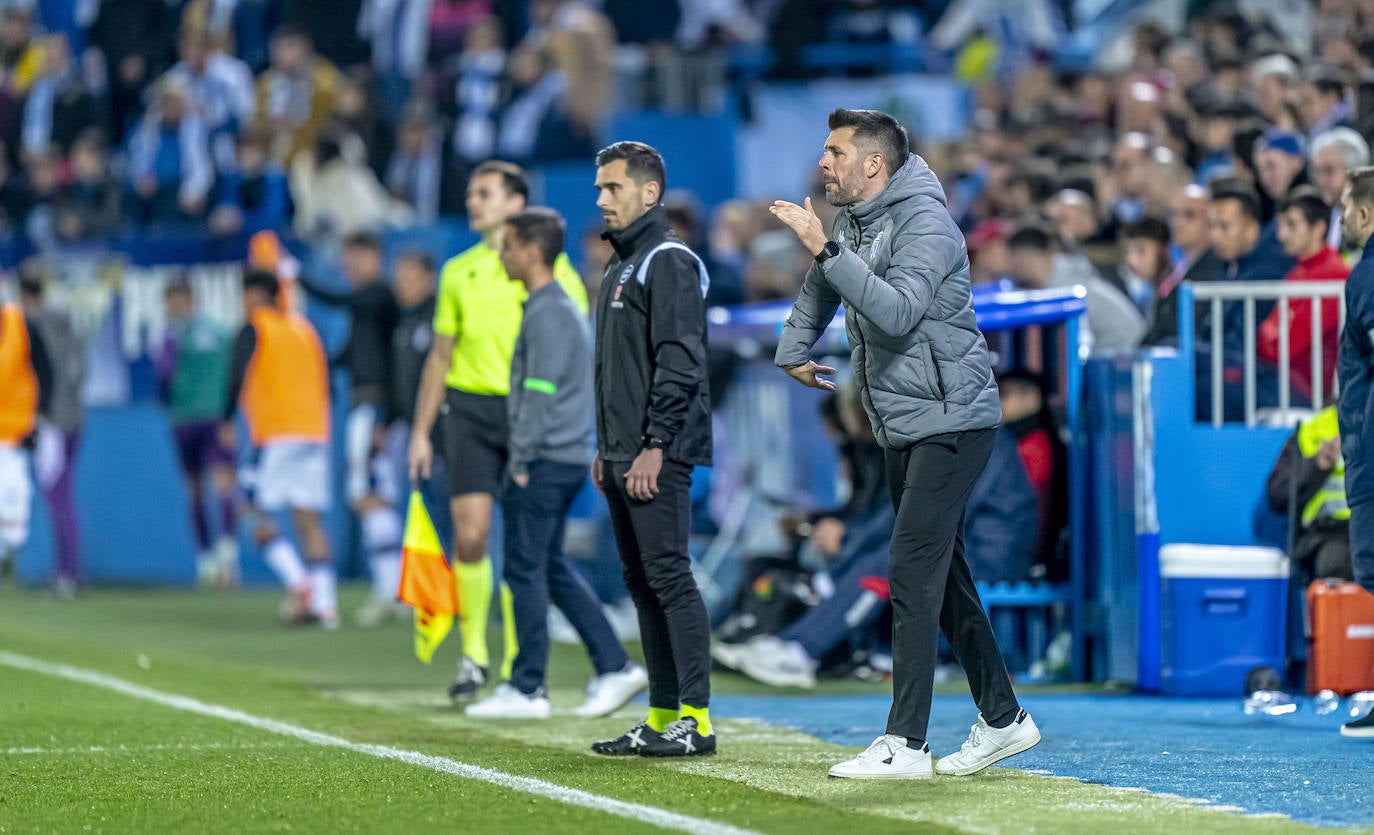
{"points": [[476, 320]]}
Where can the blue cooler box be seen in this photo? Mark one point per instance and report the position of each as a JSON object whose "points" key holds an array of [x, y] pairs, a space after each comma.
{"points": [[1223, 613]]}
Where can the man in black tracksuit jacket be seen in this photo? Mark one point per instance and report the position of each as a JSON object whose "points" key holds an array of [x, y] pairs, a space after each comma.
{"points": [[653, 426]]}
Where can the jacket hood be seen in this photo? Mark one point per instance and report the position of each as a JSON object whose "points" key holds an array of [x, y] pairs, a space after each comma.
{"points": [[913, 179]]}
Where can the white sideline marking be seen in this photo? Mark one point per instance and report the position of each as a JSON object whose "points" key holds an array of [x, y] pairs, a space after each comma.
{"points": [[529, 785], [138, 749]]}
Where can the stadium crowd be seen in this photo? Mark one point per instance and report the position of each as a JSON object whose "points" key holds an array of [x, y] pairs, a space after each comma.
{"points": [[1215, 153]]}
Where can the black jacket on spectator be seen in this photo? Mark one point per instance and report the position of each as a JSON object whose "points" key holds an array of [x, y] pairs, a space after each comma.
{"points": [[1161, 327], [651, 346], [367, 354], [409, 348]]}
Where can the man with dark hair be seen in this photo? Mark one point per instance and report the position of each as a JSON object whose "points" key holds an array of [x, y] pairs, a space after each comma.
{"points": [[467, 379], [1325, 102], [877, 130], [279, 375], [1188, 232], [897, 261], [1355, 366], [1234, 218], [551, 413], [653, 424], [1038, 261], [1146, 244], [1302, 219]]}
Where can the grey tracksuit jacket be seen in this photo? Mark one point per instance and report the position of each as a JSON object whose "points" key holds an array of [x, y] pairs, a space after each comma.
{"points": [[903, 275], [551, 405]]}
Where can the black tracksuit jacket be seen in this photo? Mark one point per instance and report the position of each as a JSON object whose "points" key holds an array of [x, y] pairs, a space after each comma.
{"points": [[651, 346]]}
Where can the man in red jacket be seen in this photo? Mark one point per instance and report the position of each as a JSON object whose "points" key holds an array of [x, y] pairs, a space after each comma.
{"points": [[1303, 218]]}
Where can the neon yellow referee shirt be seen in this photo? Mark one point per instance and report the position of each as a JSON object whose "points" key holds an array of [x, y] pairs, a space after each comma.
{"points": [[480, 307]]}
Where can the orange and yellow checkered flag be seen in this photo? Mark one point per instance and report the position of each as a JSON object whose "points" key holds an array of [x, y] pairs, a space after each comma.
{"points": [[427, 582]]}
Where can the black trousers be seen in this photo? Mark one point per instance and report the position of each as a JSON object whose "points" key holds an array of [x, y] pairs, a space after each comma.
{"points": [[932, 589], [537, 572], [673, 624]]}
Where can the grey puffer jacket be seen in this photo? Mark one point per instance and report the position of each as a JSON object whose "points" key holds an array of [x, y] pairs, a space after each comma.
{"points": [[902, 273]]}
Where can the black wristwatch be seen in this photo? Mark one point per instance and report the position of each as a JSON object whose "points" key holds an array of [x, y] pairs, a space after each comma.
{"points": [[830, 251], [652, 442]]}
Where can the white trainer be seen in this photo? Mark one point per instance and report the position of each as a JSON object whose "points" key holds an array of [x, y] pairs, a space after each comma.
{"points": [[508, 703], [608, 693], [887, 758], [778, 663], [729, 655], [986, 745]]}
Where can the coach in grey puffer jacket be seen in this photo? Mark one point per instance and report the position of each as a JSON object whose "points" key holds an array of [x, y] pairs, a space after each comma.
{"points": [[920, 360]]}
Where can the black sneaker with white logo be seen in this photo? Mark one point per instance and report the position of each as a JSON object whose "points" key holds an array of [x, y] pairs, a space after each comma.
{"points": [[628, 743], [681, 739], [1362, 728], [471, 678]]}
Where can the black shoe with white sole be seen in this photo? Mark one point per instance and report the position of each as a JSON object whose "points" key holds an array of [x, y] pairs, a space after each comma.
{"points": [[1362, 728], [471, 678], [628, 743], [681, 739]]}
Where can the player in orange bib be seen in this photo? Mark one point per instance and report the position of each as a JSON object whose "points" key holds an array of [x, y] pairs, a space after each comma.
{"points": [[25, 383], [280, 378]]}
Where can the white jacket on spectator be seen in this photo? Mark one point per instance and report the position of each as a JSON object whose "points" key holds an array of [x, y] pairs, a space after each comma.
{"points": [[1113, 322], [341, 197]]}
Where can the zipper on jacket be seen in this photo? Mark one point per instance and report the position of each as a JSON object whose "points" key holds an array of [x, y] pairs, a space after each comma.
{"points": [[858, 329], [939, 382]]}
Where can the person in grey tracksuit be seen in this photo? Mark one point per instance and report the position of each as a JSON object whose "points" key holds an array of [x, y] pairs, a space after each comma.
{"points": [[551, 412], [898, 263]]}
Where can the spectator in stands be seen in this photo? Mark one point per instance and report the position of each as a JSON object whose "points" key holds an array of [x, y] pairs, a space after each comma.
{"points": [[21, 55], [417, 174], [254, 195], [193, 379], [1131, 168], [1307, 485], [59, 433], [94, 202], [1324, 101], [1274, 79], [477, 92], [219, 88], [1215, 138], [537, 125], [1038, 261], [135, 40], [1026, 416], [296, 94], [415, 297], [1280, 165], [336, 194], [14, 195], [170, 168], [1233, 218], [1147, 264], [397, 31], [452, 23], [46, 194], [59, 105], [1189, 231], [1332, 154], [1302, 220]]}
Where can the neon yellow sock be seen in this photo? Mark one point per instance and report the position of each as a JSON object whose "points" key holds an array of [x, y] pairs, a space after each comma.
{"points": [[660, 718], [703, 717], [474, 607], [511, 645]]}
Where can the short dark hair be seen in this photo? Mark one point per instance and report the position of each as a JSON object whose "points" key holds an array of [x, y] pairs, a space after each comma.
{"points": [[513, 177], [1242, 194], [363, 240], [1309, 201], [262, 280], [540, 226], [1149, 228], [642, 162], [878, 131], [1361, 182], [291, 29], [1034, 236], [419, 257], [1329, 81]]}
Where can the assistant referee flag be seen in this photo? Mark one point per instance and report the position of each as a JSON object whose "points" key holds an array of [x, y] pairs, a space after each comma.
{"points": [[427, 582]]}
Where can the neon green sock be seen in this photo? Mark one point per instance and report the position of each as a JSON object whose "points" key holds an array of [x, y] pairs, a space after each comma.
{"points": [[511, 647], [660, 718], [474, 607], [702, 715]]}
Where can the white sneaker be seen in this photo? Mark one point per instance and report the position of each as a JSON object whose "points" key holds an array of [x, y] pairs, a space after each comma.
{"points": [[508, 703], [778, 663], [729, 655], [608, 693], [887, 758], [986, 745]]}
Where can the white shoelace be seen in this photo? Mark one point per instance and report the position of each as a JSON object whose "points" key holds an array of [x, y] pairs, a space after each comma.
{"points": [[884, 747], [678, 730], [975, 738]]}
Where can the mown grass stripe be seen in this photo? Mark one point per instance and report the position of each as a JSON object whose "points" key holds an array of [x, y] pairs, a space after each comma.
{"points": [[563, 794]]}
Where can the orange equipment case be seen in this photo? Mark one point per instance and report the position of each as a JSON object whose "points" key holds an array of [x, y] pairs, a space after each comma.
{"points": [[1340, 627]]}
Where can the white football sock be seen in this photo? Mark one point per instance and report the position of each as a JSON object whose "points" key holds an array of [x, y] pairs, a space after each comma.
{"points": [[324, 592], [282, 558]]}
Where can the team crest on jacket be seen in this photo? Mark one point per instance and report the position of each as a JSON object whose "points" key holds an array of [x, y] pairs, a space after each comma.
{"points": [[625, 276], [873, 247]]}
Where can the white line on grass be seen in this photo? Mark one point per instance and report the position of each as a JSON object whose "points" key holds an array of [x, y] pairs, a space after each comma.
{"points": [[529, 785], [138, 749]]}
